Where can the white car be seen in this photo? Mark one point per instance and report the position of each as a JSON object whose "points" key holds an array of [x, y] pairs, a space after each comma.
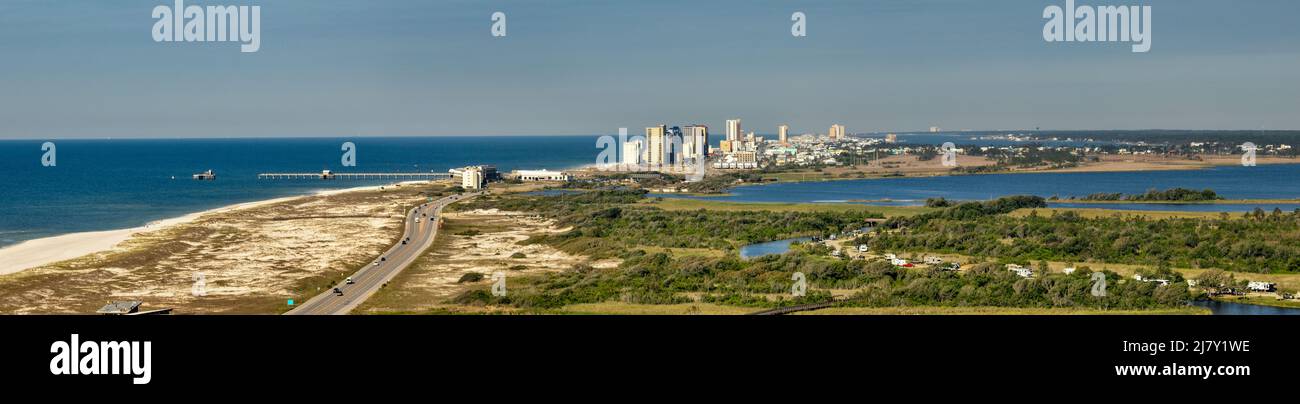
{"points": [[349, 281]]}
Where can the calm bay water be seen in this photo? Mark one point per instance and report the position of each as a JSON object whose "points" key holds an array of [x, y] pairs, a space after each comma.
{"points": [[1280, 181], [768, 248], [1239, 309], [115, 184]]}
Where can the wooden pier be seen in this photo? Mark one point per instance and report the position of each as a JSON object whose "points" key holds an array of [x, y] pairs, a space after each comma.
{"points": [[330, 175]]}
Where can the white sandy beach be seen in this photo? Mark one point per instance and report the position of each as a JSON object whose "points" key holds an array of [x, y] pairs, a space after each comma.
{"points": [[43, 251]]}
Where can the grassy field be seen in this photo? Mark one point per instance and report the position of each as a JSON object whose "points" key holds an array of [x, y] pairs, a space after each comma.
{"points": [[1015, 311], [684, 252], [696, 204]]}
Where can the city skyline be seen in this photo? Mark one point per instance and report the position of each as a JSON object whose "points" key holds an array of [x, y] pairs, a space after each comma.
{"points": [[335, 69]]}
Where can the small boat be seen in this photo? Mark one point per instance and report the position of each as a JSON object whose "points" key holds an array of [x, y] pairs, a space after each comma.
{"points": [[206, 175]]}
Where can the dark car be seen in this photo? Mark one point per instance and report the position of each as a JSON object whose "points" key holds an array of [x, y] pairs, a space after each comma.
{"points": [[338, 291]]}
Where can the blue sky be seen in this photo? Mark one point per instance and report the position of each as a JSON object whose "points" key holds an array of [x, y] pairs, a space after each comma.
{"points": [[400, 68]]}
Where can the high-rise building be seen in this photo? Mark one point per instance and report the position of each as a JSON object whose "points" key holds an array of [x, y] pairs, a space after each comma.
{"points": [[696, 141], [891, 138], [674, 146], [782, 132], [654, 150], [934, 129], [632, 151], [733, 130], [725, 146], [837, 132]]}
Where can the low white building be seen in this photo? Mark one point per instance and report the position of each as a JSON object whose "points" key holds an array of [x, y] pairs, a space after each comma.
{"points": [[542, 175], [1068, 271], [1019, 270], [472, 177], [932, 260]]}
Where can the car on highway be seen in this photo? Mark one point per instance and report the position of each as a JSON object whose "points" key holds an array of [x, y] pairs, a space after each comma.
{"points": [[349, 281], [338, 291]]}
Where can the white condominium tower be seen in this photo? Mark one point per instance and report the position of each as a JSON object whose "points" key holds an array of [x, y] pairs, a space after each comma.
{"points": [[654, 151], [632, 152], [733, 130], [695, 141], [782, 132]]}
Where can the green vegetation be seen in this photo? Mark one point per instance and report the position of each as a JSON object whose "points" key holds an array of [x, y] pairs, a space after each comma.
{"points": [[990, 284], [937, 203], [717, 184], [619, 224], [677, 204], [1171, 195], [1255, 242]]}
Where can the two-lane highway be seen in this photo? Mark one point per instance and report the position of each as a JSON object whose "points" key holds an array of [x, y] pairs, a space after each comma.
{"points": [[421, 229]]}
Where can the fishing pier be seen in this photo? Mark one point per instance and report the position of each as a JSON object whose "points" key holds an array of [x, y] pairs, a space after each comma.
{"points": [[330, 175]]}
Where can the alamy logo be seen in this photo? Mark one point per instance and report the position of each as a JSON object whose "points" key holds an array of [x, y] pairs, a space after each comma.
{"points": [[50, 157], [1248, 155], [1098, 284], [498, 24], [1099, 24], [241, 24], [800, 27], [102, 358], [800, 286], [949, 154], [349, 158], [498, 284], [674, 152]]}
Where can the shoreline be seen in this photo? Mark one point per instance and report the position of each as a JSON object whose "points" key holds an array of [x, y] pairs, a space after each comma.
{"points": [[43, 251]]}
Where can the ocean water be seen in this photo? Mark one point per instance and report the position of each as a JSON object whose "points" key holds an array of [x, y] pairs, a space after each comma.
{"points": [[1281, 181], [115, 184]]}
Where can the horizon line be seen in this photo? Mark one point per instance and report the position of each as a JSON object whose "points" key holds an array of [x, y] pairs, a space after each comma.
{"points": [[911, 132]]}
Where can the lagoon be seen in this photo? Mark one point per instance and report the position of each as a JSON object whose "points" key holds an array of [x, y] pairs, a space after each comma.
{"points": [[769, 248], [1279, 181]]}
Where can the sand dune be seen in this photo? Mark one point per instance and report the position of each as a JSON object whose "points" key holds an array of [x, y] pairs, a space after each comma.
{"points": [[48, 250]]}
